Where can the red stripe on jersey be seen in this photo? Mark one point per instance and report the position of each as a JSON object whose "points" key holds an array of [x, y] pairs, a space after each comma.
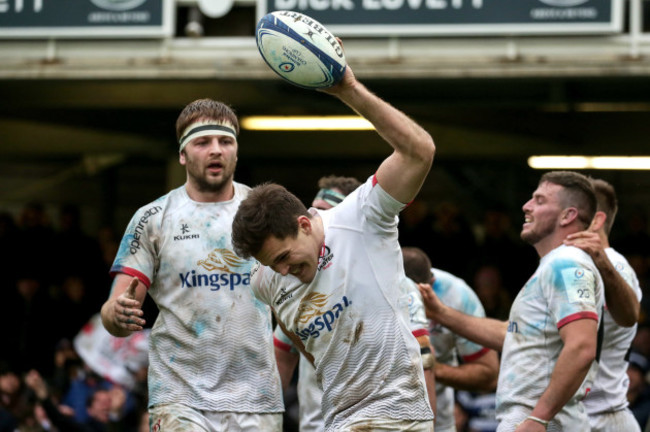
{"points": [[577, 316], [477, 355], [374, 180], [281, 345], [131, 272], [420, 332]]}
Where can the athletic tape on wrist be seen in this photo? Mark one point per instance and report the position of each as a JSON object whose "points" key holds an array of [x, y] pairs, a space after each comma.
{"points": [[428, 361], [199, 129]]}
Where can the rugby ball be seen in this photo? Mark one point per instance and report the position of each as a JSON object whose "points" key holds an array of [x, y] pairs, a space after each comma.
{"points": [[300, 49]]}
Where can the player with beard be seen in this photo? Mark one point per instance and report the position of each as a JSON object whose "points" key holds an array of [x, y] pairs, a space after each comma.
{"points": [[211, 365], [550, 341]]}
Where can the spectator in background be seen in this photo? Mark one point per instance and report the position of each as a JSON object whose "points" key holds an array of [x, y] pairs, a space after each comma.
{"points": [[73, 307], [416, 226], [641, 342], [499, 245], [73, 245], [638, 392], [36, 243], [27, 317], [8, 257], [9, 398], [633, 244], [104, 408], [489, 288], [453, 245]]}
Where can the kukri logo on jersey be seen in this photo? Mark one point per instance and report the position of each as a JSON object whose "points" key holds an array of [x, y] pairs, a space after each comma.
{"points": [[223, 268]]}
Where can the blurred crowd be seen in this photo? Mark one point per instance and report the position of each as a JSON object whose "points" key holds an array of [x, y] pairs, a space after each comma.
{"points": [[55, 278], [53, 282]]}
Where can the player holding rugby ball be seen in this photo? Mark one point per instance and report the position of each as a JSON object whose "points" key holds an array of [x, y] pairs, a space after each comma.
{"points": [[332, 278]]}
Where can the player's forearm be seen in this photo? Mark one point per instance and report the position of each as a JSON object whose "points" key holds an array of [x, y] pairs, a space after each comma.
{"points": [[469, 376], [487, 332], [400, 131], [620, 298], [430, 381], [570, 371], [286, 362]]}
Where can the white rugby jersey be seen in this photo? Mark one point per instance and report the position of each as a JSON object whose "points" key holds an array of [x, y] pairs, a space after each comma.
{"points": [[211, 345], [349, 318], [455, 293], [565, 287], [309, 393], [609, 390]]}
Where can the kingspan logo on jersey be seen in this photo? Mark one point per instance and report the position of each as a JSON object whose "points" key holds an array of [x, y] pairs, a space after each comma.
{"points": [[311, 306], [224, 271]]}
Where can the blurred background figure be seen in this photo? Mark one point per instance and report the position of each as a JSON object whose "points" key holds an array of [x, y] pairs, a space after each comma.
{"points": [[27, 317], [488, 284], [638, 393]]}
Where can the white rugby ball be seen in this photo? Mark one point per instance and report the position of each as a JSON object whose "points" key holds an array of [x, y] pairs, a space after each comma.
{"points": [[300, 49]]}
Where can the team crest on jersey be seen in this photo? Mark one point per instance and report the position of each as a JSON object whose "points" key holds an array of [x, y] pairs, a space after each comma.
{"points": [[579, 273], [310, 306], [325, 258], [619, 267], [223, 260]]}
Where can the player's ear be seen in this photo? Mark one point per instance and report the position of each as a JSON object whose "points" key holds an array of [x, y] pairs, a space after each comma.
{"points": [[598, 221], [304, 224], [568, 215], [181, 157]]}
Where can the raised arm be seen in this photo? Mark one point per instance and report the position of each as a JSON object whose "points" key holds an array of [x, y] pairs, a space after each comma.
{"points": [[122, 312], [404, 171], [620, 298], [488, 332]]}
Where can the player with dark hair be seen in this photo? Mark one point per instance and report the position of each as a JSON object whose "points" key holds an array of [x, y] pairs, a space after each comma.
{"points": [[549, 343], [309, 394], [607, 404], [332, 278], [480, 365], [211, 365]]}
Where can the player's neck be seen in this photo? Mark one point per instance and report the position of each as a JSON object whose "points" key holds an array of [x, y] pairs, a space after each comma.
{"points": [[224, 193], [550, 242], [317, 228]]}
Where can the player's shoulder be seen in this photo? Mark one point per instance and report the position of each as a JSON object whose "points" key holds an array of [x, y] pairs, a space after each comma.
{"points": [[241, 190], [568, 256], [449, 281], [455, 292]]}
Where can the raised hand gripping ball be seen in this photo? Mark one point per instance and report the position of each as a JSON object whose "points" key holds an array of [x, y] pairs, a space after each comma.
{"points": [[300, 49]]}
